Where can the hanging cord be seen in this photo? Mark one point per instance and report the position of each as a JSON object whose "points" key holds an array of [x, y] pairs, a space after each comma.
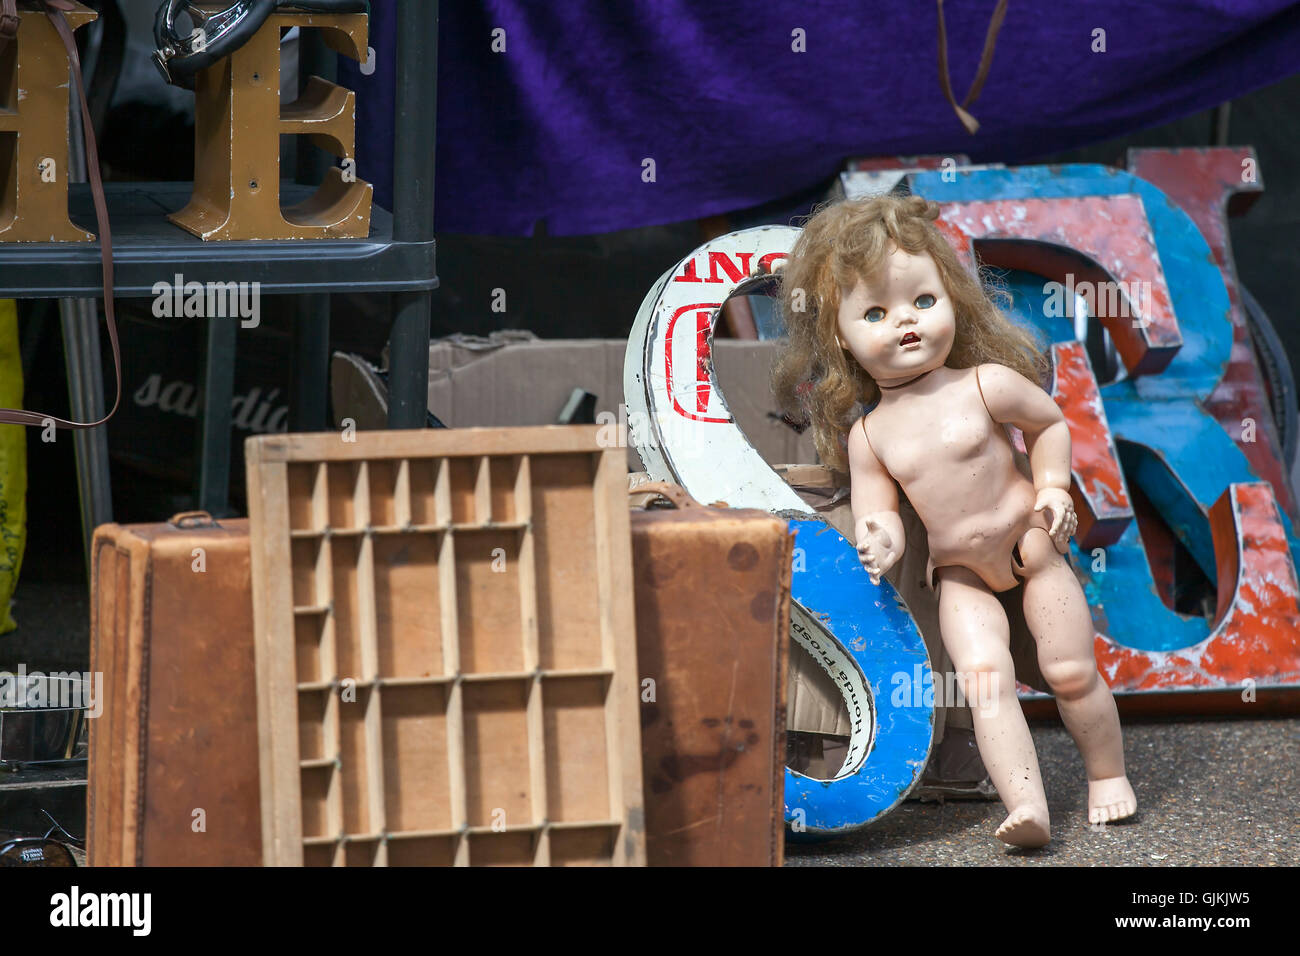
{"points": [[986, 61], [54, 10], [9, 21]]}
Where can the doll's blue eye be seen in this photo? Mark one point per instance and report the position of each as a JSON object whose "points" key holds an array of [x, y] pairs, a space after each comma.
{"points": [[924, 301], [875, 314]]}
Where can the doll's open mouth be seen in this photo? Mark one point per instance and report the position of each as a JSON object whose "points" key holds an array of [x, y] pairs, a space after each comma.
{"points": [[909, 338]]}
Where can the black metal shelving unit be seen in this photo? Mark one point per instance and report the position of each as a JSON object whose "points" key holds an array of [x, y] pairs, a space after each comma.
{"points": [[147, 248], [397, 259]]}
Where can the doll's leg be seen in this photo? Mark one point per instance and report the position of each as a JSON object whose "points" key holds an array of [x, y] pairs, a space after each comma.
{"points": [[1057, 614], [977, 637]]}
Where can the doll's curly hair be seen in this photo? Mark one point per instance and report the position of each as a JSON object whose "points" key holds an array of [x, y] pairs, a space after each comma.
{"points": [[818, 382]]}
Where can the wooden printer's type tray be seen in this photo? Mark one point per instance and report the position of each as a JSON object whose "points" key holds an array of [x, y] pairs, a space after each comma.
{"points": [[445, 649]]}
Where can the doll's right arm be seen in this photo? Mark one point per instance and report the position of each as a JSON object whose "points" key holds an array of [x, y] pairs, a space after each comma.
{"points": [[875, 502]]}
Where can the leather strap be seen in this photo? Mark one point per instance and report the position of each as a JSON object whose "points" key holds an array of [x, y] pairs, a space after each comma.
{"points": [[986, 61], [9, 21], [676, 494], [54, 9]]}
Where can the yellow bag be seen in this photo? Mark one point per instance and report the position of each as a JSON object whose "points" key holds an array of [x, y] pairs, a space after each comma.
{"points": [[13, 465]]}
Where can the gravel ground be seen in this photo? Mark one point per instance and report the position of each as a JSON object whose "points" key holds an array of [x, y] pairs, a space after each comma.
{"points": [[1210, 793]]}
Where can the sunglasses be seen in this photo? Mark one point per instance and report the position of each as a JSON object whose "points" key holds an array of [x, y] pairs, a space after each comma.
{"points": [[40, 851], [35, 851]]}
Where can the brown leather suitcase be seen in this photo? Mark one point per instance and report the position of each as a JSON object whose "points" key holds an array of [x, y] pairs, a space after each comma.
{"points": [[172, 634], [179, 727], [713, 618]]}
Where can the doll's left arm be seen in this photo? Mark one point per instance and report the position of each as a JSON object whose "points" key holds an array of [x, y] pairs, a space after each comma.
{"points": [[1014, 400]]}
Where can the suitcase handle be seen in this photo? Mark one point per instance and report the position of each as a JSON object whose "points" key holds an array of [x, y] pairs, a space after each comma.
{"points": [[193, 519], [676, 494]]}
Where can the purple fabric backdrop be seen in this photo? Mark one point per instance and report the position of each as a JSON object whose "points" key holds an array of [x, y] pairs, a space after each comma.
{"points": [[556, 128]]}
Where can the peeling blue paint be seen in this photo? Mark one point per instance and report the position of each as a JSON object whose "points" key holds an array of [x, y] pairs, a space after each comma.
{"points": [[871, 622]]}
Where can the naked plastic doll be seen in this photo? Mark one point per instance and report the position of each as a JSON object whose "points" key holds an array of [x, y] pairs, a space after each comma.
{"points": [[878, 305]]}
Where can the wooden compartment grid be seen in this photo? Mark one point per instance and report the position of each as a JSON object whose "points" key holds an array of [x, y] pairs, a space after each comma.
{"points": [[445, 648]]}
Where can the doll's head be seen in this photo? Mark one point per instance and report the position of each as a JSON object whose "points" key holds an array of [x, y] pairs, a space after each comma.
{"points": [[854, 245]]}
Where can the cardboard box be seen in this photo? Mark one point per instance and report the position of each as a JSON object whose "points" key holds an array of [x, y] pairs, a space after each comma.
{"points": [[514, 378]]}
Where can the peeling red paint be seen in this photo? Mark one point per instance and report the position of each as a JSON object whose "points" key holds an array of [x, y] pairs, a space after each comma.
{"points": [[699, 385], [1100, 240], [1208, 184], [1100, 495], [1258, 618]]}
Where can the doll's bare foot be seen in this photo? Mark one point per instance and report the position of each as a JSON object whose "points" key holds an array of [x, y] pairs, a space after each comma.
{"points": [[1025, 826], [1110, 799]]}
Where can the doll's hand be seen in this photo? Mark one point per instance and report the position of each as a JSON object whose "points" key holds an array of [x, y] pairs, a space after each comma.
{"points": [[876, 549], [1064, 521]]}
